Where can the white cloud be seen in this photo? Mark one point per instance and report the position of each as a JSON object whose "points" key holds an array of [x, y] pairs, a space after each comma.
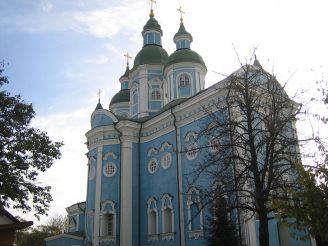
{"points": [[46, 6], [97, 60]]}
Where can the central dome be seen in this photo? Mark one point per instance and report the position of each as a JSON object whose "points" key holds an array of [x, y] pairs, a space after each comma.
{"points": [[185, 55], [151, 54]]}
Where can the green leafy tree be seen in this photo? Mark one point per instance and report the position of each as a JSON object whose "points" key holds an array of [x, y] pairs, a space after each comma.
{"points": [[24, 152], [221, 230]]}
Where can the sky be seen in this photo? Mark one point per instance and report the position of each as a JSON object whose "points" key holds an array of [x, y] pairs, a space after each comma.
{"points": [[61, 52]]}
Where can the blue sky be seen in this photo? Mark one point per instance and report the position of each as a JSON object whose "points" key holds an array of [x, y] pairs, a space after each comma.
{"points": [[60, 52]]}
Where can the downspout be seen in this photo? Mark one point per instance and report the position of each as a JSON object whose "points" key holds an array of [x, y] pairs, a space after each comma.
{"points": [[119, 183], [178, 173], [139, 182]]}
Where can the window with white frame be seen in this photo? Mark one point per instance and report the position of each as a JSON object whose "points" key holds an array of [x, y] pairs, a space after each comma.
{"points": [[195, 214], [184, 80], [152, 165], [167, 214], [192, 151], [108, 219], [184, 85], [214, 144], [156, 95], [152, 217], [166, 160]]}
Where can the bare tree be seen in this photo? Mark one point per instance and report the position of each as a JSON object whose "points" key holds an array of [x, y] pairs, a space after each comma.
{"points": [[251, 145]]}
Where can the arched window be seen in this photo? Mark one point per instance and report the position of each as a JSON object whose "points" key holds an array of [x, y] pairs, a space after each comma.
{"points": [[167, 216], [152, 220], [135, 100], [108, 221], [184, 80], [184, 83], [195, 214]]}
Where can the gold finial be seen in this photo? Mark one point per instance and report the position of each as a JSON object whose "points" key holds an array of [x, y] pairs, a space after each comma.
{"points": [[99, 93], [128, 57], [181, 13], [151, 14]]}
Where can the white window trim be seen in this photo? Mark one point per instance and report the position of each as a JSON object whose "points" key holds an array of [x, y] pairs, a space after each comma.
{"points": [[149, 165], [190, 202], [170, 206], [102, 213]]}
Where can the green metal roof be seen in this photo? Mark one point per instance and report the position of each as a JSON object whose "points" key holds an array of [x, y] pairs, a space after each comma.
{"points": [[152, 25], [185, 55], [182, 31], [121, 96], [151, 54]]}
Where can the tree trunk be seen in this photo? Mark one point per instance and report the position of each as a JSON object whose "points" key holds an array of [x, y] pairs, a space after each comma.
{"points": [[264, 229]]}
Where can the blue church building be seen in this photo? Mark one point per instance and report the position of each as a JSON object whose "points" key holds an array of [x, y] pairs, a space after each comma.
{"points": [[140, 150]]}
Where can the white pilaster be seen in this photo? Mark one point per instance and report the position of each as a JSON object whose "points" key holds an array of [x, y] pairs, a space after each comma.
{"points": [[126, 192], [98, 196], [143, 93]]}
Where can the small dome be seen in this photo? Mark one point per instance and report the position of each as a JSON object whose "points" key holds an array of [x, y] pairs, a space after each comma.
{"points": [[152, 25], [121, 96], [126, 74], [151, 54], [182, 32], [185, 55]]}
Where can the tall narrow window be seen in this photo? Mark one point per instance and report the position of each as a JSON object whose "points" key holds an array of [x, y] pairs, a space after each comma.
{"points": [[195, 214], [152, 220], [135, 99], [108, 221], [167, 217]]}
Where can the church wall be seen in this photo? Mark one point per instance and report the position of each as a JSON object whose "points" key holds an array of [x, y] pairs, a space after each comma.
{"points": [[162, 181], [110, 184]]}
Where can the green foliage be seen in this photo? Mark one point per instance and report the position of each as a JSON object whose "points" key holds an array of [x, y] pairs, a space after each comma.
{"points": [[222, 230], [35, 237], [24, 152], [310, 207]]}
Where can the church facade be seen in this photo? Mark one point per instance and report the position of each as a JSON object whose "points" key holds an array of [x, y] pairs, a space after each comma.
{"points": [[141, 151]]}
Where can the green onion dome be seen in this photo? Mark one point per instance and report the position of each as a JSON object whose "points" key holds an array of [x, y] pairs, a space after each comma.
{"points": [[121, 96], [151, 54], [184, 55]]}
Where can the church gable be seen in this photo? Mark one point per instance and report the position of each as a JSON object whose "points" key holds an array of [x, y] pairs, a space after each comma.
{"points": [[102, 117]]}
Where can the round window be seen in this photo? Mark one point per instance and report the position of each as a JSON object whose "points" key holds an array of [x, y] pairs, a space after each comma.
{"points": [[166, 160], [192, 151], [109, 169], [152, 166]]}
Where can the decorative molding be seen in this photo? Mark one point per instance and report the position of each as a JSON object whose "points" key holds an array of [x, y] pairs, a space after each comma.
{"points": [[168, 236], [152, 151], [110, 154], [165, 145], [153, 238], [196, 234]]}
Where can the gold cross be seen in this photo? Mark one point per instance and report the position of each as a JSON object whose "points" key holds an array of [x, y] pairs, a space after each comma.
{"points": [[181, 13], [151, 14], [99, 93], [128, 57]]}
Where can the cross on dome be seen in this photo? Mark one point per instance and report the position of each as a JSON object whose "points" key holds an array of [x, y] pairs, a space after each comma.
{"points": [[99, 93], [152, 2], [181, 13], [128, 57]]}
